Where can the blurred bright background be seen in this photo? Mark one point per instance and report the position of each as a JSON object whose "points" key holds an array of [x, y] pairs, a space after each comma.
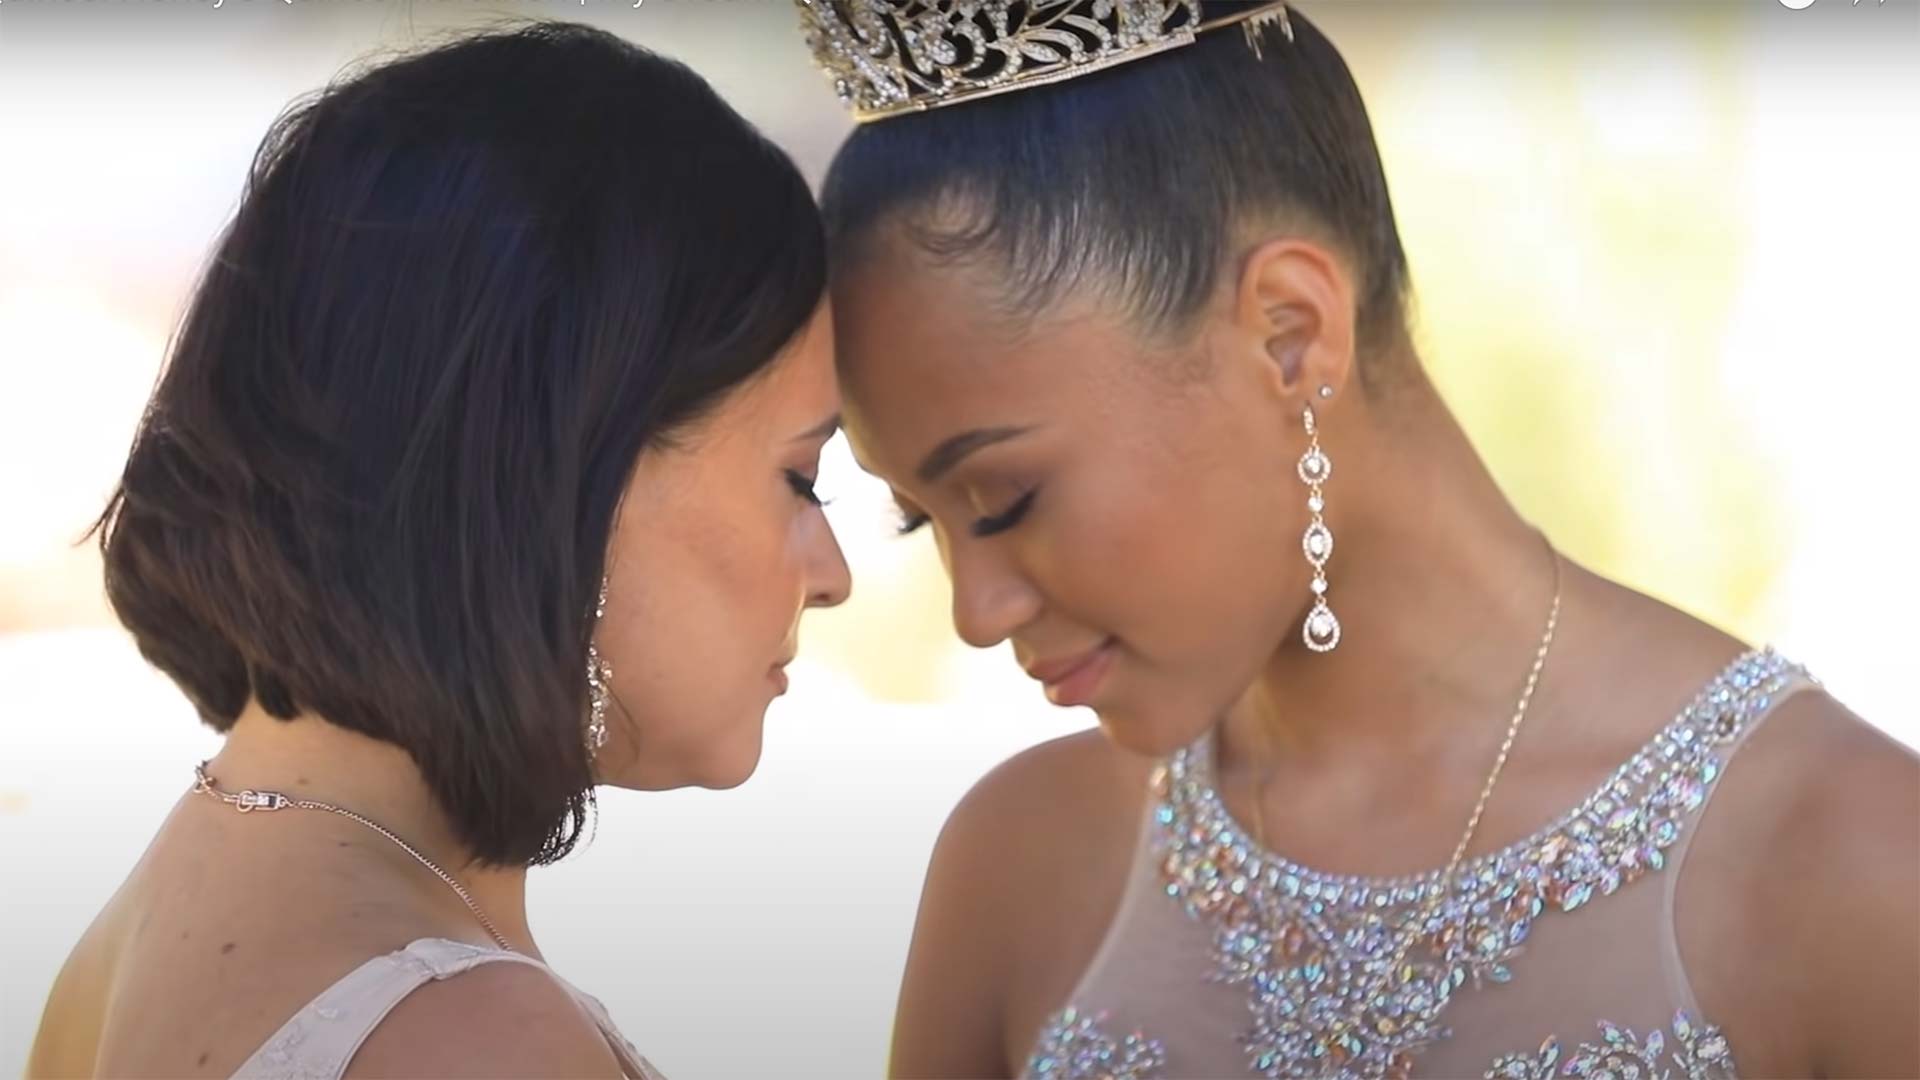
{"points": [[1665, 275]]}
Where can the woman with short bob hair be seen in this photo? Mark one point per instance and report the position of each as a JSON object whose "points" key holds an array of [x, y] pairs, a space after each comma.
{"points": [[481, 473]]}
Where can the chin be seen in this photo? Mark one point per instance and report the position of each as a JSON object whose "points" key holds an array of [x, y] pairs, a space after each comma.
{"points": [[719, 762], [1148, 732], [728, 780], [734, 760]]}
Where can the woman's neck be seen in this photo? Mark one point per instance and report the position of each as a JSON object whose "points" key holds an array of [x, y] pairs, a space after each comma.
{"points": [[1442, 590], [308, 758]]}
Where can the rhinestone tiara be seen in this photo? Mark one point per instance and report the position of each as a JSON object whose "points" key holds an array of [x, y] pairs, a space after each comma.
{"points": [[887, 57]]}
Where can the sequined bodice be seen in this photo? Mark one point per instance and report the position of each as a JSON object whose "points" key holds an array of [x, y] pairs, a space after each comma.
{"points": [[1291, 951]]}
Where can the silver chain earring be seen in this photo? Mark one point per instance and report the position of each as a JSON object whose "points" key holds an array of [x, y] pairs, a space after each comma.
{"points": [[1321, 631], [599, 683]]}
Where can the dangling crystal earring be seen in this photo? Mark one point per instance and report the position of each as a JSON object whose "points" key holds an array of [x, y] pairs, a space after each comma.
{"points": [[1321, 631], [599, 683]]}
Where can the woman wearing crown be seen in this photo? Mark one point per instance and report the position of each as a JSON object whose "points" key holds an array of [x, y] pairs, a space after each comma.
{"points": [[1384, 785]]}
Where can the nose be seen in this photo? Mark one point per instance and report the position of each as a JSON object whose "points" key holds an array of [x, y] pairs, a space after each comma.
{"points": [[829, 581], [991, 599]]}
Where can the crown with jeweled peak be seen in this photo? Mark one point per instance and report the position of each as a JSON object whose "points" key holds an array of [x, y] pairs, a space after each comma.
{"points": [[887, 57]]}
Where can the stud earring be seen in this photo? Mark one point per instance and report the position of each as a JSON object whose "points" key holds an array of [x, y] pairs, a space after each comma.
{"points": [[1321, 631], [599, 683]]}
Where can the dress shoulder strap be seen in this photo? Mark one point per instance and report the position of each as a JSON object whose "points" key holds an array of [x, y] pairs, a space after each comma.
{"points": [[1785, 686], [320, 1039]]}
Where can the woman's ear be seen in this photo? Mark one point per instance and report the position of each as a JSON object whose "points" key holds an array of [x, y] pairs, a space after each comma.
{"points": [[1295, 299]]}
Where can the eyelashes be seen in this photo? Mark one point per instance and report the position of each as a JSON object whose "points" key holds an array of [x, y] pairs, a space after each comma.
{"points": [[984, 527], [803, 487], [999, 523]]}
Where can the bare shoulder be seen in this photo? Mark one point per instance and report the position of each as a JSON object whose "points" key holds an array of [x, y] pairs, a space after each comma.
{"points": [[69, 1033], [1852, 827], [1847, 795], [1819, 847], [1060, 787], [1020, 888], [1057, 819], [502, 1019]]}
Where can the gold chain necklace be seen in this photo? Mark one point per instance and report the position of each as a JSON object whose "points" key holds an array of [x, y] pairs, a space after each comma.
{"points": [[246, 802], [1407, 937]]}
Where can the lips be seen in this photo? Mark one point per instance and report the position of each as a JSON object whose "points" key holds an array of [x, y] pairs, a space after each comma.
{"points": [[1072, 680], [777, 674]]}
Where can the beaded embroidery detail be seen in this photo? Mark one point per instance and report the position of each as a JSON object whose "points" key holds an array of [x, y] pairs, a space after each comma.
{"points": [[1075, 1045], [1700, 1052], [1305, 944]]}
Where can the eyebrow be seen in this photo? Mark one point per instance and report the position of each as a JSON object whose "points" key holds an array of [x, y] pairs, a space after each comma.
{"points": [[943, 458], [824, 431]]}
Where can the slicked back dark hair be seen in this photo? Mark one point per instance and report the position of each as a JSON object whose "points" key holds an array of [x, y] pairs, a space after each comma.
{"points": [[463, 292], [1133, 181]]}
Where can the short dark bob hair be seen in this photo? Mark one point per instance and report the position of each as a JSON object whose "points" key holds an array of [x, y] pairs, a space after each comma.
{"points": [[463, 292]]}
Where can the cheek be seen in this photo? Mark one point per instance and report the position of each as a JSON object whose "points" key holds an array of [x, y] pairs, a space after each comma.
{"points": [[742, 578], [1178, 560], [700, 608]]}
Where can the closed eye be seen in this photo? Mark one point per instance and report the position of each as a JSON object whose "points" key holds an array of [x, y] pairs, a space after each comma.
{"points": [[912, 521], [802, 486], [999, 523]]}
